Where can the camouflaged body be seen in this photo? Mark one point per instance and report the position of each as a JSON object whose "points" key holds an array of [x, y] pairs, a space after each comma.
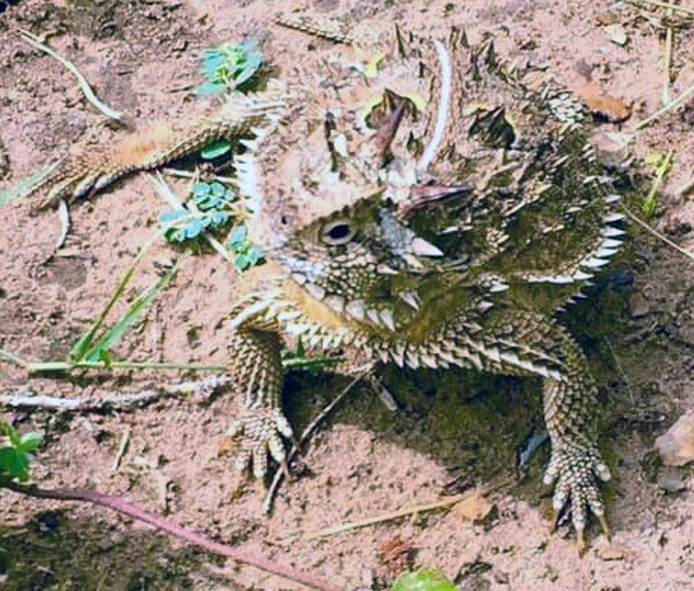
{"points": [[430, 206], [381, 260], [422, 201]]}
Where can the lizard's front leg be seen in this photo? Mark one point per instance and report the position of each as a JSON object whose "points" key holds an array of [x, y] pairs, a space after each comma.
{"points": [[256, 371], [576, 464], [526, 343]]}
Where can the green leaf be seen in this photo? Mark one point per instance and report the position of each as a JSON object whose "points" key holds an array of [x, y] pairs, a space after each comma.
{"points": [[100, 350], [254, 254], [230, 64], [200, 189], [217, 189], [172, 215], [215, 150], [173, 235], [241, 262], [30, 441], [178, 235], [423, 580], [105, 356], [15, 463], [208, 87], [252, 57], [203, 202], [237, 236], [219, 218], [213, 60], [216, 202], [13, 435], [193, 229]]}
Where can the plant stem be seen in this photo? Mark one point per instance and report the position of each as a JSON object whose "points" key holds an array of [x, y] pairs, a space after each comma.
{"points": [[121, 505]]}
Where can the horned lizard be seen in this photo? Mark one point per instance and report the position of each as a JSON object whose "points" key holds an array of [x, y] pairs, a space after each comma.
{"points": [[431, 208]]}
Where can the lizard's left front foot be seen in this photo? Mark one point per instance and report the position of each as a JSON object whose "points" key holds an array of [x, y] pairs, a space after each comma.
{"points": [[576, 470]]}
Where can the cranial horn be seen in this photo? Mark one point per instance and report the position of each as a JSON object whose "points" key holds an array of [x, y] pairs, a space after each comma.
{"points": [[386, 133], [402, 48]]}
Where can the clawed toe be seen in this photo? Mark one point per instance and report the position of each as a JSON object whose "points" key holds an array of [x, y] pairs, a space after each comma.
{"points": [[257, 435], [577, 471]]}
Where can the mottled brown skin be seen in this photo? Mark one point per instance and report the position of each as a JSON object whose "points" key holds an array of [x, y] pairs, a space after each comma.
{"points": [[91, 169]]}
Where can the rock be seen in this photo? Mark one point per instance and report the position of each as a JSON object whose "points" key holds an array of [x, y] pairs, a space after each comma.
{"points": [[616, 33], [612, 552], [670, 480], [638, 306], [475, 508], [676, 447]]}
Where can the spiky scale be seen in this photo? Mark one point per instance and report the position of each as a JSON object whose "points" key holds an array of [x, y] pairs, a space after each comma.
{"points": [[373, 316]]}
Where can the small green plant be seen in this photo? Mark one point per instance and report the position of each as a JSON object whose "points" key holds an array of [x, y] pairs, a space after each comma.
{"points": [[661, 163], [247, 253], [216, 150], [213, 206], [423, 580], [230, 66], [211, 201], [95, 346], [15, 451]]}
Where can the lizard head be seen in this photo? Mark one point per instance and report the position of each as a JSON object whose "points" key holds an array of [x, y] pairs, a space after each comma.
{"points": [[347, 198], [338, 208]]}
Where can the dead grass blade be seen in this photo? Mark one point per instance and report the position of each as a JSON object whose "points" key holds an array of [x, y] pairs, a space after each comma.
{"points": [[82, 81], [389, 516], [658, 235]]}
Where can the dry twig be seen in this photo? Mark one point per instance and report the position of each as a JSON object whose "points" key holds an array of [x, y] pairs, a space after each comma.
{"points": [[272, 490], [658, 235], [404, 512]]}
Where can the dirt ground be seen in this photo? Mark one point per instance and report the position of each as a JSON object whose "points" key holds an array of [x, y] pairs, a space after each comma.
{"points": [[451, 432]]}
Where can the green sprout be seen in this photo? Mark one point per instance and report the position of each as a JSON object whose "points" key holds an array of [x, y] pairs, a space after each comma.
{"points": [[662, 163], [215, 150], [230, 66], [423, 580], [15, 451], [213, 207], [247, 253]]}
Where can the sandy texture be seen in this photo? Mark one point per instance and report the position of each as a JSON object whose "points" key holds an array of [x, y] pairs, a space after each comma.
{"points": [[142, 57]]}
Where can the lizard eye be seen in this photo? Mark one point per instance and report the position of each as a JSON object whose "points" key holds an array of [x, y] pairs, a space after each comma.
{"points": [[336, 233]]}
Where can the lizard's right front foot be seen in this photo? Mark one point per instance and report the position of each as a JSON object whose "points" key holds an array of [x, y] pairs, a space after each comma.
{"points": [[78, 185], [257, 434]]}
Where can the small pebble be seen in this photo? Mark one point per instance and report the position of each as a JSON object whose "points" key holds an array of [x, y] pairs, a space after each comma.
{"points": [[670, 480]]}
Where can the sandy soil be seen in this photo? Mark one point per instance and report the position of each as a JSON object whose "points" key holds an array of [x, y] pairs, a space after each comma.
{"points": [[142, 57]]}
